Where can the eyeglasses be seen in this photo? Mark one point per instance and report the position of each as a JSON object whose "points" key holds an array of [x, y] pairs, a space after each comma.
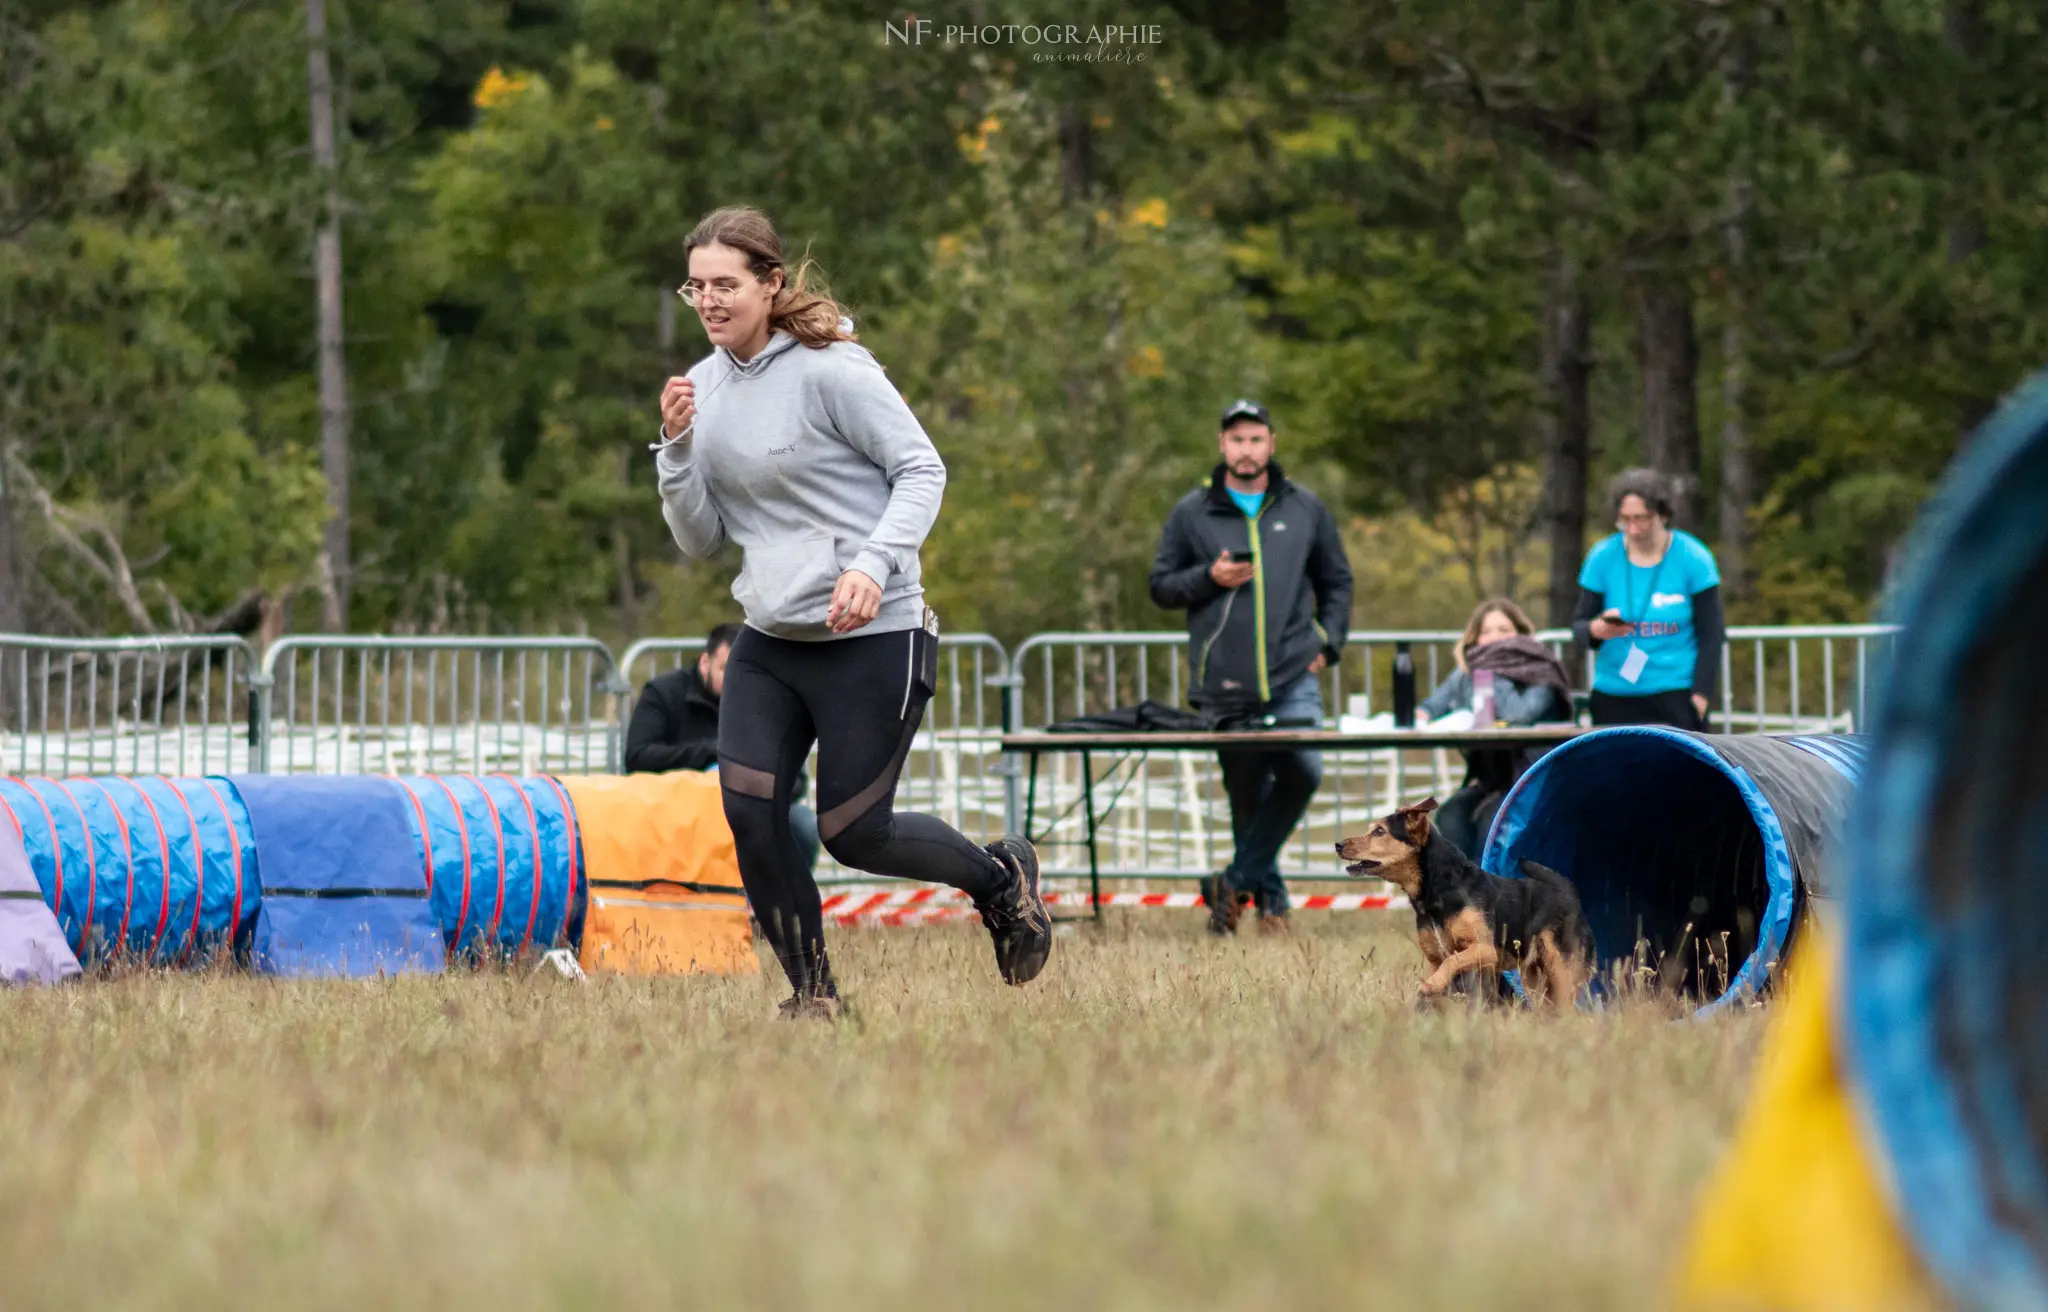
{"points": [[696, 294], [1637, 519]]}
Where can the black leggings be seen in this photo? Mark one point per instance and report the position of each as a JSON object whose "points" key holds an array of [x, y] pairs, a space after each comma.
{"points": [[860, 699], [1670, 708]]}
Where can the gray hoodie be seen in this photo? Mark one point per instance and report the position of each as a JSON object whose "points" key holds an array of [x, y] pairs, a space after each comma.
{"points": [[811, 461]]}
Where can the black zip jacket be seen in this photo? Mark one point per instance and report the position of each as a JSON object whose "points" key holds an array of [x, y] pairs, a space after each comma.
{"points": [[1246, 645], [674, 725]]}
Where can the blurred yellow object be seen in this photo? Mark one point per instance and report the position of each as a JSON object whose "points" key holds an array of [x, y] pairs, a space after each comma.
{"points": [[1797, 1217], [665, 896]]}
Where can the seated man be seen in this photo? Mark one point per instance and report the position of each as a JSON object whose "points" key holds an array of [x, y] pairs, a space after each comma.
{"points": [[675, 727]]}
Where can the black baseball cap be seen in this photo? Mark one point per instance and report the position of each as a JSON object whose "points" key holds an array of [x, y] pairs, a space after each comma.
{"points": [[1244, 408]]}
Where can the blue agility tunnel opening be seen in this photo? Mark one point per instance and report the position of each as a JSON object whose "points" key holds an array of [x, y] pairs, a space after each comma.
{"points": [[1670, 849], [1695, 855], [1945, 1019]]}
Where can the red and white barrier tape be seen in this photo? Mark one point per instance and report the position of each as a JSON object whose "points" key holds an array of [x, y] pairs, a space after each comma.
{"points": [[924, 906]]}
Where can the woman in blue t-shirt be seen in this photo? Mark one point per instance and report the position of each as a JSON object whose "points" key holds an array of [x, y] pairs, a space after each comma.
{"points": [[1650, 608]]}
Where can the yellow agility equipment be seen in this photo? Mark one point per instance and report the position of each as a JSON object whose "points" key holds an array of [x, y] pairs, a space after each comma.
{"points": [[665, 895], [1797, 1218], [1923, 1064]]}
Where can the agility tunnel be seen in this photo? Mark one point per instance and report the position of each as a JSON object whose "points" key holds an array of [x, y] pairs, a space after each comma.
{"points": [[326, 875], [499, 858], [1896, 1148], [32, 945], [343, 893], [1696, 855], [159, 870], [663, 878]]}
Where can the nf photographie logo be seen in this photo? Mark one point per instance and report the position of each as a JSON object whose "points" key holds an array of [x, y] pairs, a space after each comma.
{"points": [[1096, 43]]}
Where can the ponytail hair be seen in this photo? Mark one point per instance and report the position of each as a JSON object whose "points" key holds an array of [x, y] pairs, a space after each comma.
{"points": [[806, 312]]}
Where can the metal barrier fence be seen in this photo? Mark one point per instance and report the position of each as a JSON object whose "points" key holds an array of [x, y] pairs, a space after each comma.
{"points": [[346, 704], [1812, 679], [1170, 819], [77, 706], [956, 769], [335, 704]]}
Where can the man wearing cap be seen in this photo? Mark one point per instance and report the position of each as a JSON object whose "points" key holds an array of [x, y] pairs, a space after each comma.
{"points": [[1257, 563]]}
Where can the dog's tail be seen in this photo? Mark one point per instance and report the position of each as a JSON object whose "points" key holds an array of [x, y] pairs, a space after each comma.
{"points": [[1543, 874]]}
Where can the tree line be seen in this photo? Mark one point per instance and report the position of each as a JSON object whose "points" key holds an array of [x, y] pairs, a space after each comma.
{"points": [[353, 312]]}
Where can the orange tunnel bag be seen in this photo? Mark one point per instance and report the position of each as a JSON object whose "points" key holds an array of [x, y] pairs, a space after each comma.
{"points": [[664, 882]]}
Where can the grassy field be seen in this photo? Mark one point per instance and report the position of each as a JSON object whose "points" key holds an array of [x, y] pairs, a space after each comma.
{"points": [[1162, 1121]]}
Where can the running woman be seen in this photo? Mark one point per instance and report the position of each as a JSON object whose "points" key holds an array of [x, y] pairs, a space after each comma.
{"points": [[789, 440]]}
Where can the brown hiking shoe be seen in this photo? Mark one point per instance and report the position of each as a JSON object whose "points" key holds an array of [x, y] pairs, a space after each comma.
{"points": [[1225, 905], [1275, 924]]}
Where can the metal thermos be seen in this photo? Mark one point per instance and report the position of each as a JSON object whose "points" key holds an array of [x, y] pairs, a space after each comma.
{"points": [[1404, 686]]}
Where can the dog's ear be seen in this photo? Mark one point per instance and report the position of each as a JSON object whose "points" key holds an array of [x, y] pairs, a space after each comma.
{"points": [[1414, 822]]}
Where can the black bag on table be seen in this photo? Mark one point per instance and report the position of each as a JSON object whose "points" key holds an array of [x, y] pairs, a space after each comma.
{"points": [[1146, 717]]}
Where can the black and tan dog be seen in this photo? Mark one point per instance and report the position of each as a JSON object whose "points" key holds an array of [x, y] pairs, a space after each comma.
{"points": [[1467, 920]]}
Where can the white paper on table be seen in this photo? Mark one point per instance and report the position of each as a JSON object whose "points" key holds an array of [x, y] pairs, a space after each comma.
{"points": [[1451, 722]]}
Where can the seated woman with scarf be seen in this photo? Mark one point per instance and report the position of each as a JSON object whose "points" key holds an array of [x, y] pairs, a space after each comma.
{"points": [[1529, 686]]}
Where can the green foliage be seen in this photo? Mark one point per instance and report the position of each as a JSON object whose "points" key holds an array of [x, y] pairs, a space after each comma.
{"points": [[1066, 266], [121, 265], [1063, 462]]}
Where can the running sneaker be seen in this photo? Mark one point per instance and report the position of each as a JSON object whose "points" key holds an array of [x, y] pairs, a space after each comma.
{"points": [[1016, 916], [808, 1006]]}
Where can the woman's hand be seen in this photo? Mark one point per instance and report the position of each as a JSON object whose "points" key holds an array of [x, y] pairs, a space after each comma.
{"points": [[678, 408], [854, 602], [1699, 703], [1610, 626]]}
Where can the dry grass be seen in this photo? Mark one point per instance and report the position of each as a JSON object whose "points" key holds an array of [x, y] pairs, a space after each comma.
{"points": [[1162, 1121]]}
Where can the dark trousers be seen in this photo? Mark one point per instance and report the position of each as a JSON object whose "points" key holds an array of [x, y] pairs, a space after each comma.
{"points": [[1670, 708], [1269, 792], [1467, 815], [860, 700]]}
